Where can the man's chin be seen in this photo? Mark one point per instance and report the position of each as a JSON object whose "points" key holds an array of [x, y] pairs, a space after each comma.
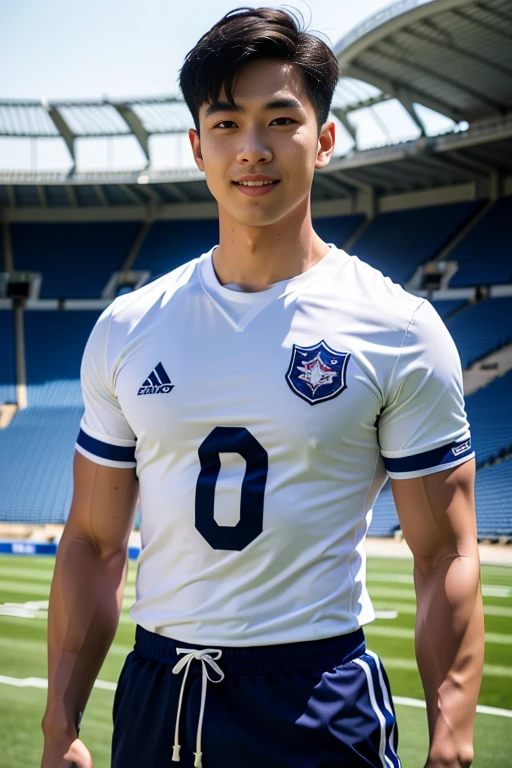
{"points": [[256, 215]]}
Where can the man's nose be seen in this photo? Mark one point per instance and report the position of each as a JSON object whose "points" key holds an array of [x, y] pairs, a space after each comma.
{"points": [[254, 149]]}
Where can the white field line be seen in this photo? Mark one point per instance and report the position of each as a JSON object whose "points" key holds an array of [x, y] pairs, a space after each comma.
{"points": [[41, 682], [387, 615], [404, 701]]}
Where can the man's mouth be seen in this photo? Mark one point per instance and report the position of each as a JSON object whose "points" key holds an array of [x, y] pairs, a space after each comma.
{"points": [[256, 187], [256, 183]]}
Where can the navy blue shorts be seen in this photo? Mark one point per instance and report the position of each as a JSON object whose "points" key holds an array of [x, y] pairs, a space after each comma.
{"points": [[313, 704]]}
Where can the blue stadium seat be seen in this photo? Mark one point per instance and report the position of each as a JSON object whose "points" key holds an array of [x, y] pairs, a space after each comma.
{"points": [[493, 500], [484, 255], [7, 358], [169, 244], [446, 307], [398, 242], [36, 454], [385, 518], [76, 260], [36, 450], [54, 344], [337, 229], [481, 328], [490, 417]]}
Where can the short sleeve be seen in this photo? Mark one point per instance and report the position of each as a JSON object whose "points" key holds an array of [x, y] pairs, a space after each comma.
{"points": [[423, 427], [105, 436]]}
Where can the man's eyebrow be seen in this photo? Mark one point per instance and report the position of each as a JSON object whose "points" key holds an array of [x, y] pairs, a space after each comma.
{"points": [[284, 103], [225, 106], [222, 106]]}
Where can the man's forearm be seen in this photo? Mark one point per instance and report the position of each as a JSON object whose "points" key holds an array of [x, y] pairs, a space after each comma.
{"points": [[450, 651], [85, 602]]}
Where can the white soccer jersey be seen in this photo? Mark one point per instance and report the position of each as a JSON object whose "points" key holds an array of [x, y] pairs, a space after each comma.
{"points": [[262, 426]]}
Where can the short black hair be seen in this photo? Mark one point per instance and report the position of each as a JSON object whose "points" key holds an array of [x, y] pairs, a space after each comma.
{"points": [[247, 34]]}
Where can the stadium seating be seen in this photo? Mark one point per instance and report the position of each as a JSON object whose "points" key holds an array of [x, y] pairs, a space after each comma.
{"points": [[484, 255], [385, 519], [481, 328], [7, 358], [169, 244], [76, 260], [36, 453], [490, 416], [492, 498], [54, 343], [447, 307], [337, 229], [396, 243], [36, 450]]}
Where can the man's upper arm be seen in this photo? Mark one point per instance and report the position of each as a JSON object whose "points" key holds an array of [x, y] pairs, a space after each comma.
{"points": [[437, 512], [103, 506], [105, 483]]}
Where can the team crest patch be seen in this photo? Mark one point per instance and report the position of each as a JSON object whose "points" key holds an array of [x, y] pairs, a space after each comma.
{"points": [[317, 373]]}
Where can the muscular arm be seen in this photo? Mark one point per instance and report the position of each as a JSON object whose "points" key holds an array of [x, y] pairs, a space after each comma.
{"points": [[438, 521], [86, 594]]}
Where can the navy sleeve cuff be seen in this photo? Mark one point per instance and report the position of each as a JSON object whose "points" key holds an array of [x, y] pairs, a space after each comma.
{"points": [[446, 455], [105, 450]]}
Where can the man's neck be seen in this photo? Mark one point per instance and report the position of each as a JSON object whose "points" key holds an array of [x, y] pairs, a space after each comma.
{"points": [[257, 257]]}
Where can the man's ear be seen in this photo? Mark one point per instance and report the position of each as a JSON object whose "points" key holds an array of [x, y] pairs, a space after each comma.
{"points": [[195, 143], [325, 145]]}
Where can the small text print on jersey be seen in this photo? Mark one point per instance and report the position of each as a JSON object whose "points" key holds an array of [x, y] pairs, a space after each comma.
{"points": [[460, 448], [317, 373], [158, 382]]}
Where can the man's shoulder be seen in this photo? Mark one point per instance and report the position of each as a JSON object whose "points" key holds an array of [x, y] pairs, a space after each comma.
{"points": [[132, 306], [377, 294]]}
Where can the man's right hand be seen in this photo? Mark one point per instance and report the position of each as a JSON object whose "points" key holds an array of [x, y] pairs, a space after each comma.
{"points": [[63, 754]]}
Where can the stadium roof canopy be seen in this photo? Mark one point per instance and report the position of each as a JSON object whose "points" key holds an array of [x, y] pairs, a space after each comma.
{"points": [[454, 56], [425, 100], [165, 115]]}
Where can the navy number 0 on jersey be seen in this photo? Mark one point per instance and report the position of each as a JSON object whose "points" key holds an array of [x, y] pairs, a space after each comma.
{"points": [[231, 440]]}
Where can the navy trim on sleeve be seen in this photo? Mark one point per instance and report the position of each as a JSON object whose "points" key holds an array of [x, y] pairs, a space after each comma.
{"points": [[105, 450], [446, 454]]}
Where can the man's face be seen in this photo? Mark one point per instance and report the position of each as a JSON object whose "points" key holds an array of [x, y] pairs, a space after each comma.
{"points": [[271, 135]]}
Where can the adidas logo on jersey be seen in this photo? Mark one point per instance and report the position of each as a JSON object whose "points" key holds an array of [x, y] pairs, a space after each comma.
{"points": [[158, 382]]}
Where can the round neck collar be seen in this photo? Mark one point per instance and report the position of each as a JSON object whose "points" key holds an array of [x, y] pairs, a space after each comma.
{"points": [[321, 269]]}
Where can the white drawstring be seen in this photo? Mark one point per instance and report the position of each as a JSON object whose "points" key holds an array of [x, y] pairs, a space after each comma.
{"points": [[206, 657]]}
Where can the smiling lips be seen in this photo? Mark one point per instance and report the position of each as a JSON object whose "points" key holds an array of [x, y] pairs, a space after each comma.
{"points": [[256, 185]]}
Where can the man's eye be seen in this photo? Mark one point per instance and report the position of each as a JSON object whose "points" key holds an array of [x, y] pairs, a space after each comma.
{"points": [[283, 121], [226, 124]]}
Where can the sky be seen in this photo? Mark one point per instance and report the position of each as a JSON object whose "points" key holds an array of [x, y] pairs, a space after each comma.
{"points": [[72, 49]]}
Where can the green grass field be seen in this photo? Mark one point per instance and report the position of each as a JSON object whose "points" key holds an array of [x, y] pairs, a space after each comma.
{"points": [[23, 655]]}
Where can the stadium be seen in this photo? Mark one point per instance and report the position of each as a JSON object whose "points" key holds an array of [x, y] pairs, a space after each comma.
{"points": [[429, 204]]}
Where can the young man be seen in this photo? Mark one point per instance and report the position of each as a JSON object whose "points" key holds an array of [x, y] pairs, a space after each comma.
{"points": [[256, 398]]}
